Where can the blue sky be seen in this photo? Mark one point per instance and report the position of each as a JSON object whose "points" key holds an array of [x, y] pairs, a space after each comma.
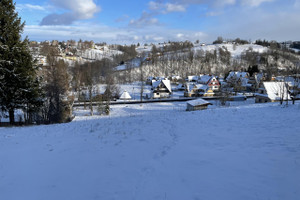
{"points": [[145, 21]]}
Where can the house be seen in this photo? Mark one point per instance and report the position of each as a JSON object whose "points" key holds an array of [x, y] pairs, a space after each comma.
{"points": [[194, 90], [242, 84], [213, 87], [149, 80], [175, 79], [214, 83], [161, 89], [293, 84], [192, 78], [234, 76], [125, 96], [197, 104], [203, 79], [238, 80], [255, 80], [272, 92], [181, 87], [209, 93]]}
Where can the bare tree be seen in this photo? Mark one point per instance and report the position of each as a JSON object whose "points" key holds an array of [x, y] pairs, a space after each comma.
{"points": [[56, 88]]}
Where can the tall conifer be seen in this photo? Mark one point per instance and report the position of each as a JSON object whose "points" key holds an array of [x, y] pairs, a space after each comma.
{"points": [[19, 87]]}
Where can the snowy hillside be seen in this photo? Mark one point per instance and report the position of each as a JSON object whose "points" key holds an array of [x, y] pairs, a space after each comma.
{"points": [[235, 50], [157, 151], [96, 54]]}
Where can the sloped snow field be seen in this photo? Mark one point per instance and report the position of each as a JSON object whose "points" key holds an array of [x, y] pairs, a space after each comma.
{"points": [[157, 151]]}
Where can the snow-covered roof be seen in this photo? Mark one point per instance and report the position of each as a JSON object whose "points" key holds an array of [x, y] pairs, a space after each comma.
{"points": [[201, 86], [198, 102], [192, 78], [180, 86], [167, 83], [204, 78], [125, 95], [176, 77], [276, 90], [191, 86], [236, 75]]}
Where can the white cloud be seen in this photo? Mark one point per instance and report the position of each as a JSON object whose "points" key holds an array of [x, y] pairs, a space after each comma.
{"points": [[216, 3], [174, 8], [180, 35], [154, 5], [214, 13], [145, 20], [166, 7], [102, 33], [221, 3], [254, 3], [76, 10], [29, 7], [85, 9], [259, 24]]}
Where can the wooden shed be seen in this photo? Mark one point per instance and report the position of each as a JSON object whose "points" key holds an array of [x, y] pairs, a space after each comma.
{"points": [[197, 104]]}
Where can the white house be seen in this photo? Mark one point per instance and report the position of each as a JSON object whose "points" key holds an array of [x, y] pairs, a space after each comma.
{"points": [[161, 89], [272, 91]]}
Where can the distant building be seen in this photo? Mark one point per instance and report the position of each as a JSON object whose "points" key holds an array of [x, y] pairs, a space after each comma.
{"points": [[197, 104], [125, 96], [214, 84], [161, 89], [192, 78], [194, 90], [272, 92]]}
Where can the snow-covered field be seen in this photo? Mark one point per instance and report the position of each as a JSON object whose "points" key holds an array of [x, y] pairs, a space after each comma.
{"points": [[157, 151]]}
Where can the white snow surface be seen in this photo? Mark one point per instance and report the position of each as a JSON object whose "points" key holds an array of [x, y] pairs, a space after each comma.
{"points": [[157, 151]]}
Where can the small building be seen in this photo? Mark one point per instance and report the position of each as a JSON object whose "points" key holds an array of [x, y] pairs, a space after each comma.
{"points": [[272, 92], [161, 89], [175, 79], [197, 104], [149, 80], [214, 84], [125, 96], [204, 79], [255, 80], [194, 90], [192, 78], [233, 77], [181, 87], [209, 93]]}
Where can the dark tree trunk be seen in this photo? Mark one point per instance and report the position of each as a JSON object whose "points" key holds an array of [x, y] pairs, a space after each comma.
{"points": [[11, 116]]}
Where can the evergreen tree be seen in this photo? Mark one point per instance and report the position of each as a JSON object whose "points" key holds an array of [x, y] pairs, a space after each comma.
{"points": [[19, 86]]}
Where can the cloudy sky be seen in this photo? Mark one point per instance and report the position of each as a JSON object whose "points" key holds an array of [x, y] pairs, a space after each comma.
{"points": [[145, 21]]}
